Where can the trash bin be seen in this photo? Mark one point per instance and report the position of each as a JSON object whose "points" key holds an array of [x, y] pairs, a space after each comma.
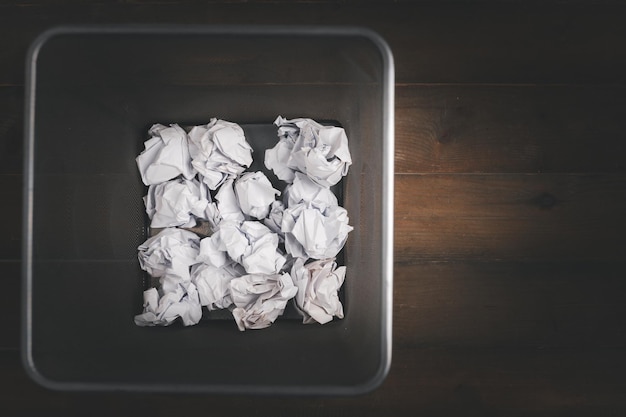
{"points": [[92, 94]]}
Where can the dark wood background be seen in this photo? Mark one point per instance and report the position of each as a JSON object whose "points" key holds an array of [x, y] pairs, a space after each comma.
{"points": [[510, 239]]}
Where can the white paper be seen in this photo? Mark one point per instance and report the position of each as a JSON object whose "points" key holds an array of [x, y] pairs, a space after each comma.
{"points": [[250, 243], [311, 233], [255, 194], [219, 151], [261, 256], [275, 218], [304, 190], [213, 284], [211, 212], [242, 265], [212, 215], [171, 253], [227, 205], [260, 299], [178, 202], [210, 252], [166, 155], [277, 159], [328, 161], [231, 239], [318, 284], [320, 152], [183, 302]]}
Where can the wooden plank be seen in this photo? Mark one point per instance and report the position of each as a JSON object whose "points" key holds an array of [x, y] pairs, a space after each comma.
{"points": [[505, 304], [510, 217], [538, 128], [463, 44], [435, 382]]}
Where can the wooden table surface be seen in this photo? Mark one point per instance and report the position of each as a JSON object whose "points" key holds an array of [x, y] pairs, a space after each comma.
{"points": [[510, 205]]}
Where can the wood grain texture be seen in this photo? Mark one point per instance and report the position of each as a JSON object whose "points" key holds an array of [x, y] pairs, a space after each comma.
{"points": [[483, 43], [510, 217], [510, 128], [510, 304]]}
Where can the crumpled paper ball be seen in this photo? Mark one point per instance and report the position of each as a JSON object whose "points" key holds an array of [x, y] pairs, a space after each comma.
{"points": [[320, 152], [312, 233], [304, 190], [213, 283], [318, 284], [181, 302], [227, 204], [170, 252], [260, 299], [219, 151], [250, 243], [166, 155], [255, 194], [178, 202]]}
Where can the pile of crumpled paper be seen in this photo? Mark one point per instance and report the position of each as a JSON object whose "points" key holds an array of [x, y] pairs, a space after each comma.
{"points": [[265, 247]]}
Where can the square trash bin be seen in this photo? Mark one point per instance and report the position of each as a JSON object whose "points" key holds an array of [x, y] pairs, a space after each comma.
{"points": [[92, 93]]}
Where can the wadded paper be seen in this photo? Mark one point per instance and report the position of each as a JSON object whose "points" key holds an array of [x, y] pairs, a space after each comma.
{"points": [[318, 284], [260, 299], [166, 155], [219, 151], [320, 152]]}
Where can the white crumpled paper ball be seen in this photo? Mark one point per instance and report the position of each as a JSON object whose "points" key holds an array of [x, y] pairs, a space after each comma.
{"points": [[219, 151], [170, 252], [213, 284], [304, 190], [312, 233], [178, 202], [166, 155], [260, 299], [255, 194], [227, 205], [250, 243], [320, 152], [318, 284], [181, 302]]}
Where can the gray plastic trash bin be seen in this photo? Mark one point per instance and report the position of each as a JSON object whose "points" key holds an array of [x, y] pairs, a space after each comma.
{"points": [[92, 93]]}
